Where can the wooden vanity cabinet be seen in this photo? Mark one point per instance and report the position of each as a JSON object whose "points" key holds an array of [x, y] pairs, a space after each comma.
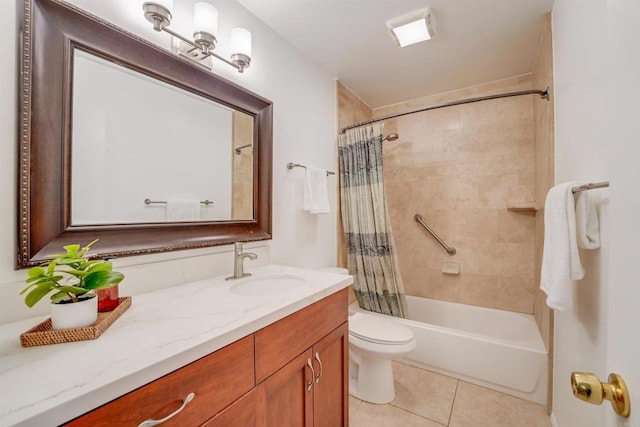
{"points": [[290, 373], [312, 387], [298, 395]]}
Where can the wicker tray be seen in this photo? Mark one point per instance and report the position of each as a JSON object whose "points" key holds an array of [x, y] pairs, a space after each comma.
{"points": [[42, 334]]}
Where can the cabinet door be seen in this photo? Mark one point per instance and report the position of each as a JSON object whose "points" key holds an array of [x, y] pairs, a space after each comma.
{"points": [[331, 385], [288, 394]]}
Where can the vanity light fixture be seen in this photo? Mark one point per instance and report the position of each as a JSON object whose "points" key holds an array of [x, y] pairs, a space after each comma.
{"points": [[205, 24], [411, 28]]}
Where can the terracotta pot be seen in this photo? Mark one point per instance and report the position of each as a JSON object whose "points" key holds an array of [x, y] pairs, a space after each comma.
{"points": [[66, 314]]}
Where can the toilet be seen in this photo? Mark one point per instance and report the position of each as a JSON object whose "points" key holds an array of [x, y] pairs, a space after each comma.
{"points": [[374, 342]]}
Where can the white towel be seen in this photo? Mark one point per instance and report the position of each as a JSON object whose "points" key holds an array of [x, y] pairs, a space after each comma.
{"points": [[560, 258], [183, 210], [316, 197], [587, 221]]}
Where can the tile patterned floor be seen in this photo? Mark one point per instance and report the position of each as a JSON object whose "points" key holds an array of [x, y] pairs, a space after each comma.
{"points": [[427, 399]]}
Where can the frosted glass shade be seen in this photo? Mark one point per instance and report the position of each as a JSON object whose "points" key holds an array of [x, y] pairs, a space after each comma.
{"points": [[241, 41], [205, 18]]}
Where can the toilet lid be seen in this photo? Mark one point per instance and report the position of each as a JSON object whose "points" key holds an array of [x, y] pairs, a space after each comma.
{"points": [[375, 329]]}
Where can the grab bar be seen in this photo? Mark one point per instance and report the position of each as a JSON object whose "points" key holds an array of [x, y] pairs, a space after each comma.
{"points": [[450, 249]]}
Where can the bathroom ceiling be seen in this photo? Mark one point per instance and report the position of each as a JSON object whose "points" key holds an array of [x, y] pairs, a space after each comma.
{"points": [[476, 41]]}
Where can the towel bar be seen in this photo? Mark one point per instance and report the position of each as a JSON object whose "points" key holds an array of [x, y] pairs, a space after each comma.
{"points": [[292, 165], [590, 186], [164, 202]]}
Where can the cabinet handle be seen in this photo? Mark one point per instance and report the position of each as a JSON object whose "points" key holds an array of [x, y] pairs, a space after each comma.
{"points": [[313, 374], [320, 364], [150, 423]]}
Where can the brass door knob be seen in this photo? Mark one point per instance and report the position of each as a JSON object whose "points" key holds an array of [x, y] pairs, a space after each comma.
{"points": [[588, 387]]}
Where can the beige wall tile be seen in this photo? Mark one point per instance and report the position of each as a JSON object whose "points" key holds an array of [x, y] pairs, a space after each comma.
{"points": [[242, 206], [516, 226], [545, 178], [460, 167], [480, 289]]}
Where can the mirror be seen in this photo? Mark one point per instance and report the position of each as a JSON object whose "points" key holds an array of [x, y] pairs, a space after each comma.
{"points": [[188, 168], [179, 156]]}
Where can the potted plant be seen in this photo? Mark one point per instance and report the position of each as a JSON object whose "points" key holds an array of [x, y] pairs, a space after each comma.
{"points": [[71, 277]]}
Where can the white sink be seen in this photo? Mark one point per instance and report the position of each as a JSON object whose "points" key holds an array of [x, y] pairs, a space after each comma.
{"points": [[268, 285]]}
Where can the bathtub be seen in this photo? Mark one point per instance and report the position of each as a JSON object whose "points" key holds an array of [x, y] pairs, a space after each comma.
{"points": [[497, 349]]}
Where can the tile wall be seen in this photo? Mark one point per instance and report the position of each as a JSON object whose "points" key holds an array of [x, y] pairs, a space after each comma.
{"points": [[545, 177], [242, 207], [461, 168]]}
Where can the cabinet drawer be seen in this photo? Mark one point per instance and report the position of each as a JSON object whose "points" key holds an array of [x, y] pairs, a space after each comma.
{"points": [[217, 380], [282, 341]]}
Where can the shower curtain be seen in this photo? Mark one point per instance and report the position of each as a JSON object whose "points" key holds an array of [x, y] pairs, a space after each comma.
{"points": [[371, 255]]}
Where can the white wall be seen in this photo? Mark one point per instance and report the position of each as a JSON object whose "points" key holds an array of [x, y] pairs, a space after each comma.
{"points": [[304, 131], [596, 69]]}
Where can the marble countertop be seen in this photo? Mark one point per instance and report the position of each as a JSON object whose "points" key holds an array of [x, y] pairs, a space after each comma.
{"points": [[161, 331]]}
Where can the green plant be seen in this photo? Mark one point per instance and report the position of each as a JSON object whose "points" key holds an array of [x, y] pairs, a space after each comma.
{"points": [[70, 274]]}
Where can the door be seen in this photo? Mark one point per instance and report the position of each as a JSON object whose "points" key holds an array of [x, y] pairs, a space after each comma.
{"points": [[598, 138], [623, 319], [331, 385]]}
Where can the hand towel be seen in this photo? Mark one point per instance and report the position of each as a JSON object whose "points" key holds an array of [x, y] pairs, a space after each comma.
{"points": [[183, 210], [316, 197], [560, 258], [587, 221]]}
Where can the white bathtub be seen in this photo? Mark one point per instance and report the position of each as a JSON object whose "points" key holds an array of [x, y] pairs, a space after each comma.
{"points": [[497, 349]]}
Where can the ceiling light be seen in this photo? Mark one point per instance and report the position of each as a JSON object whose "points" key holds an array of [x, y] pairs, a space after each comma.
{"points": [[411, 28]]}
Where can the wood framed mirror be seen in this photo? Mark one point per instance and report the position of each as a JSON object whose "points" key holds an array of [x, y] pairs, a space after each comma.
{"points": [[60, 186]]}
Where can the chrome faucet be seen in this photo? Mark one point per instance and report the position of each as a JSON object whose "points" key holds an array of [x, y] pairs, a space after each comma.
{"points": [[238, 262]]}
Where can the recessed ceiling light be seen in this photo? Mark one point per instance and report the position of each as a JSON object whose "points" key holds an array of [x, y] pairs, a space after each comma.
{"points": [[411, 28]]}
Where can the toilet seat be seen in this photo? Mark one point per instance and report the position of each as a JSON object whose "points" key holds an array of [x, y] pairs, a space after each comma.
{"points": [[377, 330]]}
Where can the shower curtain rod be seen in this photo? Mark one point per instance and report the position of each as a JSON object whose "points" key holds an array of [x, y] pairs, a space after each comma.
{"points": [[543, 94]]}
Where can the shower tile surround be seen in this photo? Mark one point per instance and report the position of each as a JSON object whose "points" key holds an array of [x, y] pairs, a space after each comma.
{"points": [[461, 167], [545, 178], [242, 206]]}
